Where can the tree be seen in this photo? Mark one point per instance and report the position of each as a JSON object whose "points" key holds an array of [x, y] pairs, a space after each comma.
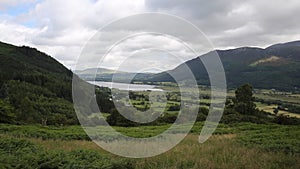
{"points": [[244, 100], [117, 119], [276, 111], [26, 111], [6, 112], [4, 91]]}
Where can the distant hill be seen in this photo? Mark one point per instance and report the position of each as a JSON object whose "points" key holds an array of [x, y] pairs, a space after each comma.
{"points": [[34, 87], [277, 66], [90, 71], [103, 74]]}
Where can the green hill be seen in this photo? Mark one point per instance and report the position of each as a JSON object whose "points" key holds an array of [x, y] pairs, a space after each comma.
{"points": [[277, 66], [34, 87]]}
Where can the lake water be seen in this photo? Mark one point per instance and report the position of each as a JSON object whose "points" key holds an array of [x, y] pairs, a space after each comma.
{"points": [[125, 86]]}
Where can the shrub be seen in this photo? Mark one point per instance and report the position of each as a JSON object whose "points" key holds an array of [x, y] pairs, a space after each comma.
{"points": [[18, 153], [286, 120]]}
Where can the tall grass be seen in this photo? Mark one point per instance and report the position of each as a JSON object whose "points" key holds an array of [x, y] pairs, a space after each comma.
{"points": [[241, 145], [218, 152]]}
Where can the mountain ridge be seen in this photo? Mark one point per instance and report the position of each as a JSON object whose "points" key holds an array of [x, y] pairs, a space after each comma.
{"points": [[274, 66], [236, 63]]}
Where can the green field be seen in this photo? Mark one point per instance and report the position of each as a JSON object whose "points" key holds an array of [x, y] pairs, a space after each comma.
{"points": [[273, 98], [241, 145]]}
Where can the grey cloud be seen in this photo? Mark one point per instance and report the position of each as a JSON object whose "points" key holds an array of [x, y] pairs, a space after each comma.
{"points": [[217, 18], [63, 27]]}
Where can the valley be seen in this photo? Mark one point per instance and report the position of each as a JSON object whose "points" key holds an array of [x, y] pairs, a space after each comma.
{"points": [[40, 129]]}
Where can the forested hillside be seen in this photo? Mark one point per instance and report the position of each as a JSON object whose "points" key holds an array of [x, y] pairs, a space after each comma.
{"points": [[34, 87]]}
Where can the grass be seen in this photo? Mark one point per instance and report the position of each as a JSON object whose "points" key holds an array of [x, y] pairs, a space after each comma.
{"points": [[271, 137], [218, 152], [48, 132], [270, 109], [241, 145], [267, 136], [288, 98], [21, 153], [65, 145]]}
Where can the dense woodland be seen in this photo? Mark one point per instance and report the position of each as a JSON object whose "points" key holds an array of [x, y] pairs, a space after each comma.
{"points": [[35, 88]]}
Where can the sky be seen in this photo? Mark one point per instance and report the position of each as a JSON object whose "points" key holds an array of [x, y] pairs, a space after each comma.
{"points": [[63, 29]]}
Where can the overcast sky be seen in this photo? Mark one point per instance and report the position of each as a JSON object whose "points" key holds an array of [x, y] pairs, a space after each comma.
{"points": [[62, 28]]}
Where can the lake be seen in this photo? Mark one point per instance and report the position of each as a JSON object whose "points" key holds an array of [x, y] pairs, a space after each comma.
{"points": [[126, 86]]}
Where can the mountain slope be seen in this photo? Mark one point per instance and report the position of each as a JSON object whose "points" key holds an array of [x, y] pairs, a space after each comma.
{"points": [[251, 65], [34, 87]]}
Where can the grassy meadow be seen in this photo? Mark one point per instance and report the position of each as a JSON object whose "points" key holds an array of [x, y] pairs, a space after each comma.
{"points": [[242, 145]]}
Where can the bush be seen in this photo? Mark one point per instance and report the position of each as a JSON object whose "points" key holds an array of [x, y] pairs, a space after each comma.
{"points": [[286, 120], [167, 118], [174, 107], [16, 153], [231, 116], [202, 114]]}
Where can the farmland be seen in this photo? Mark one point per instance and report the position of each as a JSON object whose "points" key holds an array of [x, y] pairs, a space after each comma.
{"points": [[266, 99]]}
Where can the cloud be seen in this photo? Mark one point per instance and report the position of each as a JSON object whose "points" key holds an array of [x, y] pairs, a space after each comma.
{"points": [[238, 23], [150, 52], [5, 4], [17, 34], [62, 28]]}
